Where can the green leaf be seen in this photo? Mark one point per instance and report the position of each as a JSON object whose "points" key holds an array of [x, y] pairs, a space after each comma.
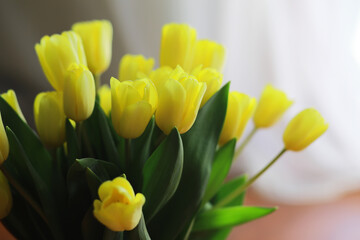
{"points": [[228, 188], [228, 217], [199, 149], [138, 233], [91, 229], [162, 174], [72, 144], [220, 169]]}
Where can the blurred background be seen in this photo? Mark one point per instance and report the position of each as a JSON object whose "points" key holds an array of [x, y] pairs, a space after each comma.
{"points": [[310, 49]]}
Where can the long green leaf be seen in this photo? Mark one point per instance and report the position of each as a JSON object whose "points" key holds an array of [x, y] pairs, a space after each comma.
{"points": [[228, 188]]}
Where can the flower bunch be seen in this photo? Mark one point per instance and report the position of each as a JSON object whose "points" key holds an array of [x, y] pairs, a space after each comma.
{"points": [[144, 158]]}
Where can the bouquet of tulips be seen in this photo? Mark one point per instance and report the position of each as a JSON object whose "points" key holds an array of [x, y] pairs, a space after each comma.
{"points": [[146, 158]]}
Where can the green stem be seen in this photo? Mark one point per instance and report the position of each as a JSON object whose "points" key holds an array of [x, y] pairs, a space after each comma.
{"points": [[127, 153], [242, 188], [111, 235], [245, 142], [97, 78], [188, 232]]}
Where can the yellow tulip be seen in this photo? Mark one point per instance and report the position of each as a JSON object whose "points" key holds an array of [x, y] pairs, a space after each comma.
{"points": [[179, 101], [79, 93], [209, 54], [303, 129], [11, 99], [50, 118], [119, 209], [56, 53], [177, 45], [105, 98], [160, 75], [273, 103], [132, 105], [97, 40], [240, 108], [132, 67], [4, 143], [5, 197]]}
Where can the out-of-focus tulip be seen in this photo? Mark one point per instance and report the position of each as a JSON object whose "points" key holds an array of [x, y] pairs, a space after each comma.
{"points": [[179, 101], [5, 197], [4, 143], [177, 45], [240, 108], [273, 103], [119, 209], [133, 67], [132, 105], [79, 93], [97, 40], [50, 118], [160, 75], [56, 53], [209, 54], [303, 129], [11, 99], [105, 98]]}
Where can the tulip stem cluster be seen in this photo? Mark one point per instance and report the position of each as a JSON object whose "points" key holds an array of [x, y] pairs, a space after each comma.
{"points": [[245, 143], [242, 188]]}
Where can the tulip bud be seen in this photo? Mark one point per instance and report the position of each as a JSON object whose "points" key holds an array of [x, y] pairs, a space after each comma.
{"points": [[303, 129], [132, 105], [79, 93], [273, 103], [179, 101], [5, 197], [240, 108], [4, 143], [97, 40], [133, 67], [177, 45], [209, 54], [56, 53], [105, 98], [11, 99], [50, 118], [119, 209]]}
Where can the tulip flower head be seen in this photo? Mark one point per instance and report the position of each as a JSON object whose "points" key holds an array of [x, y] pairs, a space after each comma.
{"points": [[240, 109], [133, 67], [160, 75], [5, 197], [97, 40], [79, 93], [272, 105], [50, 118], [209, 54], [105, 98], [11, 99], [303, 129], [57, 53], [132, 105], [119, 209], [4, 143]]}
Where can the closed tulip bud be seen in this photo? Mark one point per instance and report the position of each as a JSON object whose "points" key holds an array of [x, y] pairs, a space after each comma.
{"points": [[132, 105], [133, 67], [5, 197], [97, 40], [105, 98], [57, 53], [79, 93], [11, 99], [273, 103], [303, 129], [160, 75], [119, 209], [240, 109], [209, 54], [177, 45], [50, 118], [179, 101], [4, 143]]}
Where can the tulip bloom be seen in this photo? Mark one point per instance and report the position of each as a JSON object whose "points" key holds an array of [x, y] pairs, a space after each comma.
{"points": [[303, 129], [132, 105], [79, 93], [4, 143], [119, 209], [273, 103], [11, 99], [50, 118], [179, 101], [97, 40], [5, 197], [105, 98], [56, 53], [133, 67], [240, 108], [209, 54], [160, 75], [177, 45]]}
